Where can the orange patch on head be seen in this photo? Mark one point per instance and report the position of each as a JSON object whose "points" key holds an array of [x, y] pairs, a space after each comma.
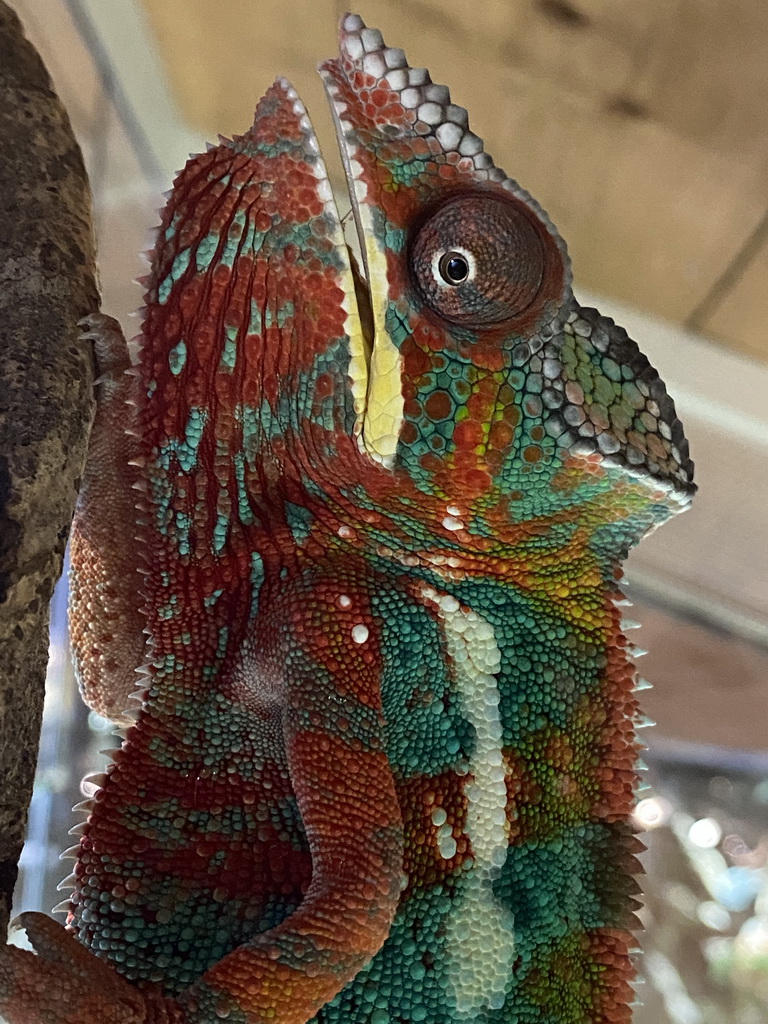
{"points": [[416, 360], [564, 481], [408, 433], [487, 357], [501, 435], [474, 480], [439, 405], [468, 434], [532, 453]]}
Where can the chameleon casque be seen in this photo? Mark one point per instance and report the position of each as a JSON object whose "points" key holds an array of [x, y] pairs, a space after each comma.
{"points": [[383, 766]]}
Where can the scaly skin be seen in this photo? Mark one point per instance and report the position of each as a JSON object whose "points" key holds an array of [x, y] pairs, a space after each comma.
{"points": [[384, 762]]}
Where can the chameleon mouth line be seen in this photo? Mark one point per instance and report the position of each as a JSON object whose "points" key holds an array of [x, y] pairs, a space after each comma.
{"points": [[380, 411], [357, 253], [363, 296]]}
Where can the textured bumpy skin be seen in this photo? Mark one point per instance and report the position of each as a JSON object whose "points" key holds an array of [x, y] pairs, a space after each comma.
{"points": [[384, 760]]}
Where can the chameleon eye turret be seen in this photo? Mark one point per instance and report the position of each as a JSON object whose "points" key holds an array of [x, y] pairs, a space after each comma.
{"points": [[382, 759], [481, 260]]}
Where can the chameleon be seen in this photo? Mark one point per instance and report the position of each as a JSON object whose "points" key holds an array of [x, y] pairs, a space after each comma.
{"points": [[359, 522]]}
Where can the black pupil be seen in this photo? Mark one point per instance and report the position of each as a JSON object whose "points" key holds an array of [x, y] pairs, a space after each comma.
{"points": [[454, 268]]}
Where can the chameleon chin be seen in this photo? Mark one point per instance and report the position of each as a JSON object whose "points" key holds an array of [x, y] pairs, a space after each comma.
{"points": [[361, 533]]}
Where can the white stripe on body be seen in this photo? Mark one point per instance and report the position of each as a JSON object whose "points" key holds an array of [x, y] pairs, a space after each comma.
{"points": [[480, 932]]}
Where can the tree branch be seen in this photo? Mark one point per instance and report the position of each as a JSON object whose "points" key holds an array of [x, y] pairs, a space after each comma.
{"points": [[47, 284]]}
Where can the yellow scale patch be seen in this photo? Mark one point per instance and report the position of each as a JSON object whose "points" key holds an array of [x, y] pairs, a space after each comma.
{"points": [[384, 405]]}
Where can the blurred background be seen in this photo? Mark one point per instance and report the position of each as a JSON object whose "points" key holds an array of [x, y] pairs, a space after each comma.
{"points": [[642, 127]]}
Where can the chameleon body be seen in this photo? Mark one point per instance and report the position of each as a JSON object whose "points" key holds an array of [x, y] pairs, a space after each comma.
{"points": [[384, 762]]}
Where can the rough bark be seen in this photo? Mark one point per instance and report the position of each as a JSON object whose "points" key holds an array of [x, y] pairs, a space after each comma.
{"points": [[47, 284]]}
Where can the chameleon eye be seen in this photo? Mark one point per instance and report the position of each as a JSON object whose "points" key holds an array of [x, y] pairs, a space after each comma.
{"points": [[481, 260]]}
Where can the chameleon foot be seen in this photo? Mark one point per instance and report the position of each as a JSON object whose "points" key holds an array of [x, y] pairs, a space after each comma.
{"points": [[66, 984]]}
